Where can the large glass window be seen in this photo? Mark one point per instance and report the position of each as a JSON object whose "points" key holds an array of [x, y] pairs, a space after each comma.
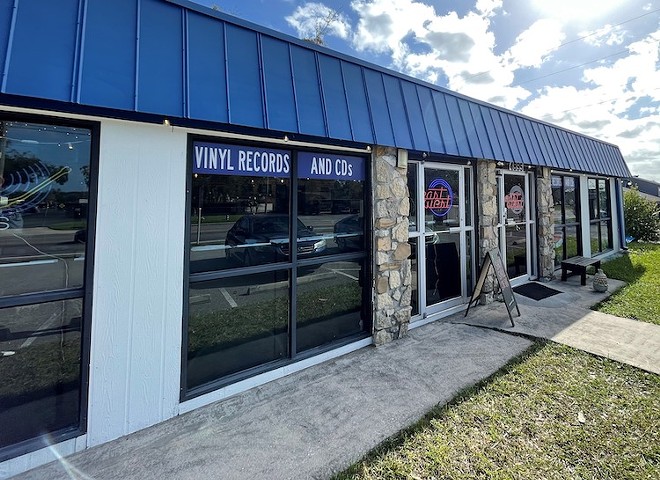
{"points": [[566, 195], [600, 215], [45, 172], [305, 287], [236, 323]]}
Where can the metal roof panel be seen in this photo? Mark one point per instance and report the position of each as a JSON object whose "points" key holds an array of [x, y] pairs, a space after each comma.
{"points": [[414, 110], [278, 85], [472, 136], [482, 134], [44, 49], [160, 59], [311, 119], [358, 106], [517, 154], [445, 123], [246, 105], [530, 144], [6, 22], [206, 69], [380, 114], [334, 97], [398, 114], [544, 147], [430, 119], [108, 79], [491, 132]]}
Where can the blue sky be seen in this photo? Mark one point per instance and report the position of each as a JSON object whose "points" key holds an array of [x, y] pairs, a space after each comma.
{"points": [[587, 65]]}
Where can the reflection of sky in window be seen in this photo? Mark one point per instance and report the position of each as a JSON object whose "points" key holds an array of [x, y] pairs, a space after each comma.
{"points": [[55, 146]]}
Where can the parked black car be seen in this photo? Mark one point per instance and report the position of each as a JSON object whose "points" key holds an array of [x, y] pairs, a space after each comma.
{"points": [[264, 238], [349, 232]]}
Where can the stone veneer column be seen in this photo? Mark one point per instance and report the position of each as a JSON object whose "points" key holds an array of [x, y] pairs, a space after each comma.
{"points": [[488, 219], [392, 272], [546, 226]]}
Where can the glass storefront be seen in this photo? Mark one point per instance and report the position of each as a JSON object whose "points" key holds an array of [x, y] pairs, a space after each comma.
{"points": [[440, 236], [45, 177], [273, 276], [566, 200]]}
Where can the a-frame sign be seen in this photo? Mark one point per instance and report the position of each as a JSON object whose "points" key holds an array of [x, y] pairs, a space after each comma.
{"points": [[494, 259]]}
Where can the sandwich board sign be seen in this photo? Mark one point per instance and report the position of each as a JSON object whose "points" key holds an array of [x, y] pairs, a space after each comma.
{"points": [[494, 259]]}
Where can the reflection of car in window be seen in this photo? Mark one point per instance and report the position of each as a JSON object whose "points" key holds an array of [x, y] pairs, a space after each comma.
{"points": [[80, 236], [264, 238], [349, 232]]}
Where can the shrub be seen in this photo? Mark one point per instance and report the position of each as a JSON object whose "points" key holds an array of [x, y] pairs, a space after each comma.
{"points": [[642, 217]]}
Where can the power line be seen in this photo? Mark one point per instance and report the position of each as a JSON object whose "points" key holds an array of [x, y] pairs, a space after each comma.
{"points": [[610, 28], [609, 100], [595, 32], [570, 68]]}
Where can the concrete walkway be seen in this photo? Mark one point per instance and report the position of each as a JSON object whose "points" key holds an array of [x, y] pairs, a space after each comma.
{"points": [[317, 422], [310, 424], [567, 318]]}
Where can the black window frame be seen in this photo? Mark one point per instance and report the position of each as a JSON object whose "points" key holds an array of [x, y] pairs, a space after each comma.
{"points": [[291, 265], [564, 224], [600, 218], [84, 293]]}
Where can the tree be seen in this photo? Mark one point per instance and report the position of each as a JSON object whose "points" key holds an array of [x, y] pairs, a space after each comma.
{"points": [[642, 217], [320, 26]]}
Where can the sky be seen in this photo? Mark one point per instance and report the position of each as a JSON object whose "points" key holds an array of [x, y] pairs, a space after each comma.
{"points": [[587, 65]]}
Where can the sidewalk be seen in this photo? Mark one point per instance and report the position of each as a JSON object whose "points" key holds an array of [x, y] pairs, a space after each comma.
{"points": [[319, 421], [567, 318]]}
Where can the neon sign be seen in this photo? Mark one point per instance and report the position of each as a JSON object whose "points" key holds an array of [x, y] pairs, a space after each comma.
{"points": [[514, 201], [439, 197]]}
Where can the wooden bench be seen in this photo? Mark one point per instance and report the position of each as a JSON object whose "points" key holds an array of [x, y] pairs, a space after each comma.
{"points": [[578, 265]]}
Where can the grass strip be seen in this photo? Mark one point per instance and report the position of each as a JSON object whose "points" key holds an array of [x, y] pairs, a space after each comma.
{"points": [[553, 413], [640, 299]]}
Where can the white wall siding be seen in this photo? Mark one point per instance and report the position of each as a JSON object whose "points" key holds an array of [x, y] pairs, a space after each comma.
{"points": [[138, 280]]}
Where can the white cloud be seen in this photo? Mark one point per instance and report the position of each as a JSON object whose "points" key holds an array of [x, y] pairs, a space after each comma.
{"points": [[427, 45], [607, 35], [602, 107], [313, 18], [488, 7], [533, 46]]}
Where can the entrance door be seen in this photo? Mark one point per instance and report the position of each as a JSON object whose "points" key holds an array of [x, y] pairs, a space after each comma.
{"points": [[441, 236], [516, 227]]}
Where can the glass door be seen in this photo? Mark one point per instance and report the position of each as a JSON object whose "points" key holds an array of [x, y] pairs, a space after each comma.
{"points": [[440, 236], [516, 225]]}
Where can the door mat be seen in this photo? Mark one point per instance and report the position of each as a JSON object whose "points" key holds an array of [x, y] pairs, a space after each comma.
{"points": [[535, 290]]}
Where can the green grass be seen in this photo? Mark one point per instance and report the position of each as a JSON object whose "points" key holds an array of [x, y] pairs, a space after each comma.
{"points": [[224, 328], [72, 225], [640, 299], [41, 367], [554, 413]]}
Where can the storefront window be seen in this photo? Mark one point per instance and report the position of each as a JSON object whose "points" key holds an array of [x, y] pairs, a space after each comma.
{"points": [[566, 195], [236, 323], [329, 303], [239, 221], [305, 288], [44, 208], [600, 215]]}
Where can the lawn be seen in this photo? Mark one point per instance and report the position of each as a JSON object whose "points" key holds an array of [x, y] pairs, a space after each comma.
{"points": [[640, 299], [554, 413]]}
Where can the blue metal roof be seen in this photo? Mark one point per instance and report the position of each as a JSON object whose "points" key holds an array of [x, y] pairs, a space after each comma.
{"points": [[180, 60]]}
